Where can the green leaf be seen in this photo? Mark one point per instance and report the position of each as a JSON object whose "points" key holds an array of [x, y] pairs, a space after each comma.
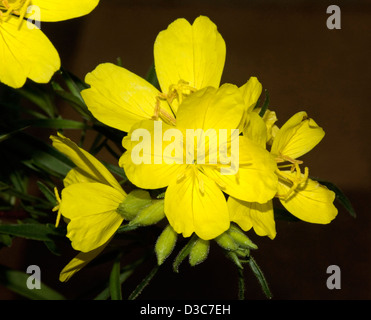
{"points": [[145, 282], [114, 281], [49, 195], [40, 96], [265, 104], [340, 196], [54, 123], [32, 231], [152, 76], [16, 281], [260, 276]]}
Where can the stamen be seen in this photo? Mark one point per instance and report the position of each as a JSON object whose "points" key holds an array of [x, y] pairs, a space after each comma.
{"points": [[57, 207], [17, 8], [295, 180]]}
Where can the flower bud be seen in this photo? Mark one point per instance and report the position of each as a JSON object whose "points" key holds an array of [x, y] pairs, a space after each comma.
{"points": [[150, 214], [240, 238], [134, 203], [165, 244], [226, 242], [199, 252]]}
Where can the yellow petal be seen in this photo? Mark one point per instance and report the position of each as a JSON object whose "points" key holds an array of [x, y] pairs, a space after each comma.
{"points": [[297, 136], [256, 129], [212, 108], [79, 262], [56, 10], [192, 53], [91, 209], [119, 98], [145, 162], [196, 204], [255, 180], [251, 92], [25, 53], [253, 215], [88, 167], [270, 119], [310, 202]]}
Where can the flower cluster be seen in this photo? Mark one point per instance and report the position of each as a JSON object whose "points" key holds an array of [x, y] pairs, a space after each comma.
{"points": [[198, 199]]}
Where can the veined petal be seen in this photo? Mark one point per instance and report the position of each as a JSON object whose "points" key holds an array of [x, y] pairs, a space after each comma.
{"points": [[91, 209], [297, 136], [79, 262], [251, 92], [255, 180], [25, 53], [146, 162], [192, 53], [56, 10], [212, 108], [76, 175], [310, 202], [87, 165], [196, 204], [253, 215], [119, 98]]}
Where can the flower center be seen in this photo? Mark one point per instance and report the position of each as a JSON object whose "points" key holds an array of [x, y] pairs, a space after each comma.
{"points": [[175, 96], [295, 180], [10, 8]]}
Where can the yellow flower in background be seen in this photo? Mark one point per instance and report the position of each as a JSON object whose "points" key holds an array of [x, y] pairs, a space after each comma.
{"points": [[187, 58], [25, 51], [89, 202], [194, 199], [301, 196]]}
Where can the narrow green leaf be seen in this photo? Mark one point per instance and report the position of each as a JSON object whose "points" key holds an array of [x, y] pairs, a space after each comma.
{"points": [[260, 276], [340, 196], [265, 104], [145, 282], [114, 281], [40, 96], [151, 76], [54, 123], [31, 231], [16, 281], [49, 195], [5, 136]]}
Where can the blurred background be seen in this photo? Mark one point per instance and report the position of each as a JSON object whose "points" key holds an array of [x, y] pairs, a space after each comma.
{"points": [[304, 66]]}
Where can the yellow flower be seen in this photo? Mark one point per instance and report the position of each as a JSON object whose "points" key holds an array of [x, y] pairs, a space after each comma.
{"points": [[301, 196], [187, 58], [89, 202], [194, 199], [25, 51]]}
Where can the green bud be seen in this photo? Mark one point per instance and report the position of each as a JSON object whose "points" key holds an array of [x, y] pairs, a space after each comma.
{"points": [[199, 252], [150, 215], [226, 242], [240, 238], [134, 203], [165, 244]]}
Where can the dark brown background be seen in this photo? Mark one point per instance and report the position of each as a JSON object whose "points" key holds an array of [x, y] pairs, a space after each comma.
{"points": [[305, 66]]}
